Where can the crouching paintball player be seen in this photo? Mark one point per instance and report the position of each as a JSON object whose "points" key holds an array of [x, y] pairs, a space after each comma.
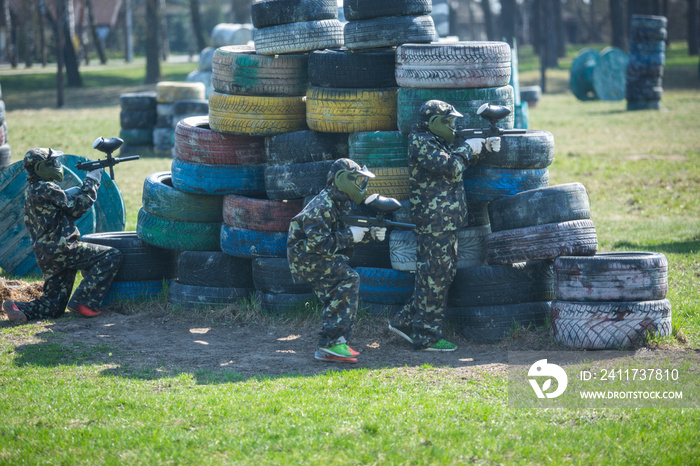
{"points": [[319, 247], [439, 209], [49, 215]]}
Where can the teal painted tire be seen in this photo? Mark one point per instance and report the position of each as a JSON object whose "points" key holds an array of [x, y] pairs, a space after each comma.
{"points": [[172, 234]]}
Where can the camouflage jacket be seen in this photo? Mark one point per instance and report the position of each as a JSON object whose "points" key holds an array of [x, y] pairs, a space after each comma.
{"points": [[438, 202], [317, 234], [50, 215]]}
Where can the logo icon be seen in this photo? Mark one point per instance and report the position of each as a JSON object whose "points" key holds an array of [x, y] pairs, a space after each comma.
{"points": [[543, 369]]}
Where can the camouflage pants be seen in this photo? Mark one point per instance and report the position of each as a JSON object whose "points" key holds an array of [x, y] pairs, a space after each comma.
{"points": [[436, 259], [337, 286], [99, 265]]}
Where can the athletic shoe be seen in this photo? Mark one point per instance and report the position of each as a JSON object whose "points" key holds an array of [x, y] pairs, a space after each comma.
{"points": [[404, 331], [340, 350], [14, 314], [440, 345], [84, 311], [323, 356]]}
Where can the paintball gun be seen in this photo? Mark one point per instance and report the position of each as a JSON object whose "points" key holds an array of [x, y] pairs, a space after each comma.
{"points": [[382, 206], [493, 114], [107, 146]]}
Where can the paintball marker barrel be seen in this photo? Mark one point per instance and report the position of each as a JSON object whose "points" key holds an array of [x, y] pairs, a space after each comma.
{"points": [[493, 114], [382, 206], [106, 145]]}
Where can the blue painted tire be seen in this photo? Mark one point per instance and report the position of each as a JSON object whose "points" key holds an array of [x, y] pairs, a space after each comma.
{"points": [[198, 297], [146, 290], [490, 183], [385, 286], [249, 244], [246, 180]]}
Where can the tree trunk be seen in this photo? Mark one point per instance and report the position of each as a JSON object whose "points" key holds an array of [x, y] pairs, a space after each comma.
{"points": [[60, 15], [240, 11], [93, 32], [693, 28], [164, 44], [197, 25], [42, 37], [488, 20], [71, 58], [509, 13], [617, 23], [152, 41], [559, 29], [29, 14], [129, 31]]}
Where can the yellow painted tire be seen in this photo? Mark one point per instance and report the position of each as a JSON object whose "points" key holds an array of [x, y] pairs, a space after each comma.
{"points": [[256, 115], [168, 92], [390, 182], [337, 110]]}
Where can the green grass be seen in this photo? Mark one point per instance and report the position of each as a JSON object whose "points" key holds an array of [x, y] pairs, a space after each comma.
{"points": [[66, 403]]}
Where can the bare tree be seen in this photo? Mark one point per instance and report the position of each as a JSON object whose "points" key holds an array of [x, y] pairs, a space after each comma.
{"points": [[693, 28], [29, 15], [509, 14], [152, 41], [93, 31], [197, 24], [488, 19], [618, 21]]}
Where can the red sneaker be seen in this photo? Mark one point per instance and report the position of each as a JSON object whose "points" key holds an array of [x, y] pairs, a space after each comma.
{"points": [[13, 312], [84, 310]]}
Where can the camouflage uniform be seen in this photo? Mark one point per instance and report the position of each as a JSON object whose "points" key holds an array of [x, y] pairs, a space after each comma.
{"points": [[50, 215], [319, 247], [438, 208]]}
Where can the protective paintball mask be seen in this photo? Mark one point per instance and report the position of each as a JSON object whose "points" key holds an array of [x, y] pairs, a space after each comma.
{"points": [[353, 183], [51, 167], [443, 126]]}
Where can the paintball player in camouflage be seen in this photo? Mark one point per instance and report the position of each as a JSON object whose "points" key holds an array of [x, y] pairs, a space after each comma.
{"points": [[50, 214], [319, 247], [439, 209]]}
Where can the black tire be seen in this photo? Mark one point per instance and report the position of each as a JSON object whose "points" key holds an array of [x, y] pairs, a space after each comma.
{"points": [[644, 70], [137, 119], [385, 311], [489, 324], [490, 183], [471, 246], [552, 204], [648, 22], [162, 199], [388, 31], [460, 65], [297, 180], [644, 93], [202, 297], [266, 13], [493, 285], [145, 100], [177, 235], [466, 101], [140, 261], [533, 149], [272, 275], [575, 238], [355, 10], [617, 276], [305, 146], [609, 325], [299, 37], [249, 244], [285, 303], [379, 148], [214, 268], [246, 180], [477, 213], [373, 254], [385, 286], [137, 137], [340, 68], [239, 70]]}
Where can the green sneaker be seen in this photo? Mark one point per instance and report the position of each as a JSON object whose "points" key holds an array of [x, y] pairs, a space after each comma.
{"points": [[440, 345], [340, 350]]}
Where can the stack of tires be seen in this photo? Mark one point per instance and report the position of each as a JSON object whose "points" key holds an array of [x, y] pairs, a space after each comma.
{"points": [[144, 271], [138, 119], [610, 300], [167, 94], [203, 73], [529, 230], [646, 62], [188, 108]]}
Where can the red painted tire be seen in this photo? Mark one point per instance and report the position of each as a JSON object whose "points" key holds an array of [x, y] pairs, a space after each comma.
{"points": [[260, 214], [196, 142]]}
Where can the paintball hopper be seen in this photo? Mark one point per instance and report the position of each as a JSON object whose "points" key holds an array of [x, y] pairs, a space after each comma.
{"points": [[107, 145], [493, 113]]}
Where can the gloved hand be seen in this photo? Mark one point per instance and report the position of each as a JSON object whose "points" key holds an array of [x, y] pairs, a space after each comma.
{"points": [[493, 144], [358, 233], [378, 233], [476, 145], [95, 175]]}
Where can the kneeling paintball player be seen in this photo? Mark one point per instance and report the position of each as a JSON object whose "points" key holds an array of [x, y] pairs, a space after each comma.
{"points": [[319, 247], [50, 214], [439, 209]]}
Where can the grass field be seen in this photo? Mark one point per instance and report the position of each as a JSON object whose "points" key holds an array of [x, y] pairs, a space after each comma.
{"points": [[64, 403]]}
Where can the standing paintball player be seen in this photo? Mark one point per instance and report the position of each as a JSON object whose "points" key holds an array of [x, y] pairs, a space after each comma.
{"points": [[319, 247], [439, 209], [50, 214]]}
